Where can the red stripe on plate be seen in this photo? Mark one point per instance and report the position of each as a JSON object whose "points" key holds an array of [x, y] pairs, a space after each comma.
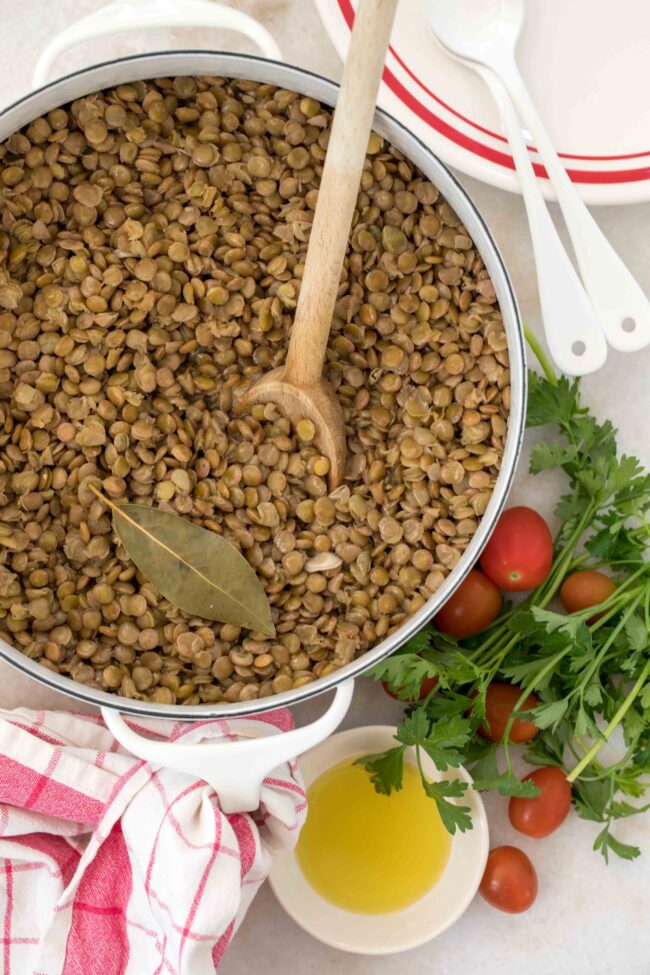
{"points": [[497, 135], [486, 152], [437, 98]]}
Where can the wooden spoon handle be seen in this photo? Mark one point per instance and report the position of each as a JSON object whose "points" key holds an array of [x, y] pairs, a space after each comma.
{"points": [[338, 190]]}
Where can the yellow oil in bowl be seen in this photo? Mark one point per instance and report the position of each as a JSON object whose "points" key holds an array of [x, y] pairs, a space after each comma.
{"points": [[367, 852]]}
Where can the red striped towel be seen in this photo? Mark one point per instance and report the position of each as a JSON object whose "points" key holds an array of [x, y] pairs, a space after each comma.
{"points": [[111, 867]]}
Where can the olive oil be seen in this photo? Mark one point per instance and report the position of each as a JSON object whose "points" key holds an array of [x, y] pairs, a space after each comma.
{"points": [[367, 852]]}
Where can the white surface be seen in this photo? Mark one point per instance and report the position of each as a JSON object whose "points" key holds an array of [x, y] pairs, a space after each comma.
{"points": [[583, 62], [589, 919], [428, 917]]}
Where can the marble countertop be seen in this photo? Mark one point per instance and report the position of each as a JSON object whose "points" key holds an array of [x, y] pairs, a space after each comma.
{"points": [[590, 919]]}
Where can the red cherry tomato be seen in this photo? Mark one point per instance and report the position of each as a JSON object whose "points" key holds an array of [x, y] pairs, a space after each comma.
{"points": [[426, 687], [585, 588], [519, 553], [500, 702], [474, 605], [509, 882], [543, 814]]}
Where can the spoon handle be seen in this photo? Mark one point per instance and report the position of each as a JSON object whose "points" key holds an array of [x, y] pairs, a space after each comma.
{"points": [[339, 188], [621, 305], [573, 333]]}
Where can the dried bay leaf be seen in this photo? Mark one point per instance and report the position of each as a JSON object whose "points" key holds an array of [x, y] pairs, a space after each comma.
{"points": [[196, 570]]}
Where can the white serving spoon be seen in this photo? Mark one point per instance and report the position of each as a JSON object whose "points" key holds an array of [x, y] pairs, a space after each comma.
{"points": [[573, 330], [484, 34]]}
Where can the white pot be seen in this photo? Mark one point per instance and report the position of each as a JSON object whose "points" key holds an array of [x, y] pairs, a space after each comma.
{"points": [[259, 756]]}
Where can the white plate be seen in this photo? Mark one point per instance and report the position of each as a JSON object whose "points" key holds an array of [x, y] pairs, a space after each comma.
{"points": [[587, 64], [384, 934]]}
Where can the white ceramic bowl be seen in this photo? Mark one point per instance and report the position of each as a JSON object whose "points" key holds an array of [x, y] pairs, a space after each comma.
{"points": [[384, 934]]}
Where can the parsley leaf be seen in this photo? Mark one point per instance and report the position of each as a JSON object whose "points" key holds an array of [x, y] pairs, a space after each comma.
{"points": [[441, 740], [591, 799], [550, 714], [620, 810], [637, 633], [571, 625], [605, 842], [446, 706], [404, 674], [546, 455], [644, 698], [418, 642], [612, 541], [550, 404], [593, 694], [486, 776], [453, 816], [386, 769], [507, 784]]}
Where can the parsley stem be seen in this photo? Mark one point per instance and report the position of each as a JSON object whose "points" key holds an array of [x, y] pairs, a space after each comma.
{"points": [[544, 593], [578, 561], [616, 720], [494, 660], [611, 609], [564, 562], [598, 659], [418, 759], [539, 676], [495, 631], [540, 355], [605, 771], [611, 606]]}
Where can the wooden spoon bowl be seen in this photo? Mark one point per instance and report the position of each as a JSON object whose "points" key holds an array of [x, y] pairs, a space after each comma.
{"points": [[317, 403]]}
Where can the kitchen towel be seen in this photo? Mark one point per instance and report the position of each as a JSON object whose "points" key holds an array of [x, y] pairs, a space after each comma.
{"points": [[109, 865]]}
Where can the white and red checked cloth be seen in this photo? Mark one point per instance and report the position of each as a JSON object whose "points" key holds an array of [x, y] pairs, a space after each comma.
{"points": [[109, 867]]}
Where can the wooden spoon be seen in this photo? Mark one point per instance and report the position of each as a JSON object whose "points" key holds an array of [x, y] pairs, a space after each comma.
{"points": [[298, 387]]}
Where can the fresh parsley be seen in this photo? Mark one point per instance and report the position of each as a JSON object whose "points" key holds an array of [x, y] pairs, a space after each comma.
{"points": [[443, 741], [592, 676]]}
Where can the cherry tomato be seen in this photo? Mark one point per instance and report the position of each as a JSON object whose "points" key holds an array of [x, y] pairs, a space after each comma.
{"points": [[509, 882], [474, 605], [586, 588], [500, 702], [426, 686], [543, 814], [519, 553]]}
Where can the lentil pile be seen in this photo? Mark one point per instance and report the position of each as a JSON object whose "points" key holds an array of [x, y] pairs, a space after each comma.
{"points": [[152, 240]]}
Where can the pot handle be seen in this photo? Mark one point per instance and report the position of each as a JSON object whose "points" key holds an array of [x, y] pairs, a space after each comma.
{"points": [[125, 15], [234, 769]]}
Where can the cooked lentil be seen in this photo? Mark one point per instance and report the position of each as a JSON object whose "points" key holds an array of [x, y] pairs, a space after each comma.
{"points": [[152, 241]]}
